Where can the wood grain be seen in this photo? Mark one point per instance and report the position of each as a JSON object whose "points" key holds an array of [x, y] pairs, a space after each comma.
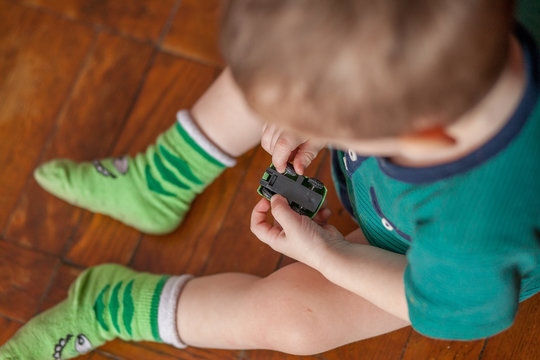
{"points": [[100, 239], [521, 341], [24, 277], [194, 31], [39, 60], [60, 284], [131, 351], [7, 329], [97, 356], [275, 355], [87, 128], [143, 19], [191, 353], [420, 346], [383, 347]]}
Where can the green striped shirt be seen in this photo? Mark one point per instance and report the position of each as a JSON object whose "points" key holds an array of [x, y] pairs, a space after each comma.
{"points": [[470, 228]]}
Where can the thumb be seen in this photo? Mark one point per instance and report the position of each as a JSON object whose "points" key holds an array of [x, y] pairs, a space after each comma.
{"points": [[284, 215]]}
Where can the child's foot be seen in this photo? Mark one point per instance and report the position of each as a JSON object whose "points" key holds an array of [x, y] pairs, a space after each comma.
{"points": [[152, 191], [105, 302]]}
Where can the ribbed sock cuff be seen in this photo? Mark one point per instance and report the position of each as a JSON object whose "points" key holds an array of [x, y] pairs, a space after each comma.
{"points": [[168, 329], [185, 120]]}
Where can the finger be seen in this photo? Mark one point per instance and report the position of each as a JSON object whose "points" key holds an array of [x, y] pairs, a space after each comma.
{"points": [[259, 226], [322, 216], [307, 152], [267, 138], [281, 152], [276, 133], [284, 215]]}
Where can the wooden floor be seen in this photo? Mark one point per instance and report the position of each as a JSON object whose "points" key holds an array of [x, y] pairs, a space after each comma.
{"points": [[88, 78]]}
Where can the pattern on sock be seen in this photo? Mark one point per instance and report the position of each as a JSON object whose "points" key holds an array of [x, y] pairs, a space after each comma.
{"points": [[172, 168], [105, 302], [151, 191]]}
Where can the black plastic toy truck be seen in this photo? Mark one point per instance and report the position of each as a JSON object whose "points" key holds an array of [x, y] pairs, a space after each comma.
{"points": [[305, 195]]}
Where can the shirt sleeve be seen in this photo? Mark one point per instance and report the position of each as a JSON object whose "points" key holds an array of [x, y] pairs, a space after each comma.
{"points": [[459, 294]]}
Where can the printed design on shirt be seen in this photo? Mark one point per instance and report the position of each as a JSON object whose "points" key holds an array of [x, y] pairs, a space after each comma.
{"points": [[384, 220], [352, 161]]}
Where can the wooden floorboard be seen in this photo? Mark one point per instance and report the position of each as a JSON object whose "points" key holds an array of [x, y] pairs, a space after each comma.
{"points": [[143, 19], [194, 31], [24, 279], [41, 57], [9, 327], [522, 340], [445, 350], [88, 126], [86, 79]]}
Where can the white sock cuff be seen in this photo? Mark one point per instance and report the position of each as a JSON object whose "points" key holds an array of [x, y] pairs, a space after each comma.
{"points": [[168, 330], [195, 133]]}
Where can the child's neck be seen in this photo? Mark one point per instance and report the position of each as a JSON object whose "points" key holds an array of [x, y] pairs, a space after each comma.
{"points": [[481, 123]]}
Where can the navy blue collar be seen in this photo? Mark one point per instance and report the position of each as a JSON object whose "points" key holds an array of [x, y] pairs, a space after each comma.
{"points": [[492, 147]]}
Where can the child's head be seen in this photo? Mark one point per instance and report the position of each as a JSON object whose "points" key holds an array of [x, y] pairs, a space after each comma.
{"points": [[363, 68]]}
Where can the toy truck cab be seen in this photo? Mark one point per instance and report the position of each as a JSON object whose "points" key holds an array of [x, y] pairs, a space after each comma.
{"points": [[305, 195]]}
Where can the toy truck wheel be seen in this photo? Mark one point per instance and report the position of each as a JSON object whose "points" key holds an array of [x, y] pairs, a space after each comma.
{"points": [[289, 170], [298, 209], [266, 193], [315, 184]]}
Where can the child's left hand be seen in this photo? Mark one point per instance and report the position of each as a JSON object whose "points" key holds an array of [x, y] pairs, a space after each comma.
{"points": [[296, 236]]}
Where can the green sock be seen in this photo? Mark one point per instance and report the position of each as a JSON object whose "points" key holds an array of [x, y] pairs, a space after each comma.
{"points": [[104, 303], [151, 191]]}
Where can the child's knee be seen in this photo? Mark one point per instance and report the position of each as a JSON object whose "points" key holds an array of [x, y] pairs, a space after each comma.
{"points": [[289, 326], [290, 321]]}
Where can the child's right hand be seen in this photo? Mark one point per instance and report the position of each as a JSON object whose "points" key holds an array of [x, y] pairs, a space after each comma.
{"points": [[284, 147]]}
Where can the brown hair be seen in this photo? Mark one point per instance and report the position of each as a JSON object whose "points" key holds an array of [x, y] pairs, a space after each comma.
{"points": [[365, 68]]}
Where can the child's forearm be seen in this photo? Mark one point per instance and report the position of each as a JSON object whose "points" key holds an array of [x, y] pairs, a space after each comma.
{"points": [[374, 274], [370, 272]]}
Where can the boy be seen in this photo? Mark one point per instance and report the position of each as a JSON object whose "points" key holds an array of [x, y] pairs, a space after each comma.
{"points": [[444, 93]]}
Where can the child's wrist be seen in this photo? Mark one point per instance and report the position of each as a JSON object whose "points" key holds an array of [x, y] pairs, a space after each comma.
{"points": [[331, 255]]}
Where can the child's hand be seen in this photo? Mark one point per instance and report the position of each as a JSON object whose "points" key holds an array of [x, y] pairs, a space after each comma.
{"points": [[284, 146], [294, 235]]}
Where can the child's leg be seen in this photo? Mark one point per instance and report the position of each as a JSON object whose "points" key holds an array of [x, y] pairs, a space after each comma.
{"points": [[105, 302], [294, 310], [224, 117], [153, 190]]}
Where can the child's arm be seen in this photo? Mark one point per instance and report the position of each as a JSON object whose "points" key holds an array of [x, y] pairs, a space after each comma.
{"points": [[370, 272]]}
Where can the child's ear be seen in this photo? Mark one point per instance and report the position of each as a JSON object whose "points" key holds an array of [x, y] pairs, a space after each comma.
{"points": [[433, 138]]}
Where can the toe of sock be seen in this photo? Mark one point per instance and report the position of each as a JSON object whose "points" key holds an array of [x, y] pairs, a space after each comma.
{"points": [[53, 177]]}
